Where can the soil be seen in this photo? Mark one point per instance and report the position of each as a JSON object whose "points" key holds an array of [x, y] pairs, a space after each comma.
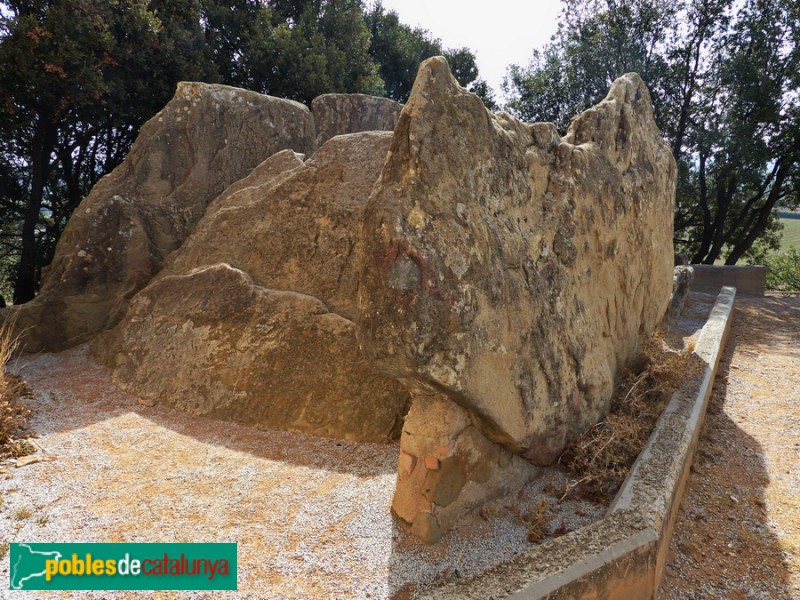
{"points": [[311, 516], [738, 531]]}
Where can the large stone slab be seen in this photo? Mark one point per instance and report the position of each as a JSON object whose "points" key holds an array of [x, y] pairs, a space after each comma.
{"points": [[214, 343], [512, 270], [337, 114], [297, 230], [251, 319], [206, 138]]}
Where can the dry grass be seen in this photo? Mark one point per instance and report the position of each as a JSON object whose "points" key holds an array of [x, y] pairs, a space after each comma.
{"points": [[13, 413], [23, 514], [537, 522], [600, 458]]}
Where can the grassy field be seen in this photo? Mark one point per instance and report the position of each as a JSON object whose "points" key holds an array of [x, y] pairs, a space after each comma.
{"points": [[791, 233]]}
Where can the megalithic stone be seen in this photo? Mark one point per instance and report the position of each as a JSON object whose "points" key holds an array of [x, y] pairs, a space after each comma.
{"points": [[513, 271], [206, 138]]}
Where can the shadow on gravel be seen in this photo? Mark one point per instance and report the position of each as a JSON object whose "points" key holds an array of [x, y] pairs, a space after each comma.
{"points": [[89, 397], [724, 545], [772, 312]]}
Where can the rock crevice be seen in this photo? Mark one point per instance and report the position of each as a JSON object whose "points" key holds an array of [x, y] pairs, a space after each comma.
{"points": [[255, 260], [512, 270]]}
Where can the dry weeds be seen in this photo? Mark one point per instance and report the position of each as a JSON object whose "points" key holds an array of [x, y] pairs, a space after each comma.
{"points": [[13, 413], [600, 459], [537, 521]]}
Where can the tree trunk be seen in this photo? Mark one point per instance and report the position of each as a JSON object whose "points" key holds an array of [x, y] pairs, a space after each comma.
{"points": [[44, 138], [746, 240], [724, 201], [708, 232]]}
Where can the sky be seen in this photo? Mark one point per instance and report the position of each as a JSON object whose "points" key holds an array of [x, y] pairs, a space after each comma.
{"points": [[500, 32]]}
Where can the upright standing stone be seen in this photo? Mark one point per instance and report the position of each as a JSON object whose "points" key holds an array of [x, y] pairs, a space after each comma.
{"points": [[511, 270], [337, 114]]}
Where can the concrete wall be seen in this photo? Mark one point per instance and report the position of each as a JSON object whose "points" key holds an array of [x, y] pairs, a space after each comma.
{"points": [[622, 556], [748, 281]]}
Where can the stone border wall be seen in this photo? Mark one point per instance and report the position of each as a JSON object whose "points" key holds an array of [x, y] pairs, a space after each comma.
{"points": [[622, 556], [748, 280]]}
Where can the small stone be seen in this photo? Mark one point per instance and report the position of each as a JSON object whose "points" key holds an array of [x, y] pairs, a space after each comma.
{"points": [[405, 464], [444, 485], [431, 463], [426, 527], [32, 459], [146, 402]]}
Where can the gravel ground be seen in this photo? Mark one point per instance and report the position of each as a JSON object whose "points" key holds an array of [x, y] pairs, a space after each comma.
{"points": [[738, 531], [311, 516]]}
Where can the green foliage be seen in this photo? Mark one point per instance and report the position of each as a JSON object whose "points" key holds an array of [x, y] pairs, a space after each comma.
{"points": [[320, 47], [723, 86], [399, 49], [79, 77], [543, 91], [783, 270], [484, 91]]}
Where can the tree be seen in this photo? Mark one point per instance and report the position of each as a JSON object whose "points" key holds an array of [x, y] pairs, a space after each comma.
{"points": [[77, 79], [317, 47], [723, 85], [237, 37], [399, 49]]}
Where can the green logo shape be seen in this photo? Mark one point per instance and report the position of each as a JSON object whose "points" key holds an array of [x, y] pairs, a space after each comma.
{"points": [[123, 566]]}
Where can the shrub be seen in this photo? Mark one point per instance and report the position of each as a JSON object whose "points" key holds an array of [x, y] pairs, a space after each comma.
{"points": [[783, 270], [13, 413]]}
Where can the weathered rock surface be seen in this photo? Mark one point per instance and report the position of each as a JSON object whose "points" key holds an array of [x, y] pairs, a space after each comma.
{"points": [[275, 169], [512, 270], [337, 114], [447, 467], [251, 318], [206, 138], [681, 283], [297, 231], [214, 343], [502, 273]]}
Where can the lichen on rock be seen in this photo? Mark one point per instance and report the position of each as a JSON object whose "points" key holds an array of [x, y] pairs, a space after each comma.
{"points": [[205, 139], [514, 271]]}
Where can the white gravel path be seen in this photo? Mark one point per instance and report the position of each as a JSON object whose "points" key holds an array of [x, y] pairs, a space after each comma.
{"points": [[737, 535], [310, 515]]}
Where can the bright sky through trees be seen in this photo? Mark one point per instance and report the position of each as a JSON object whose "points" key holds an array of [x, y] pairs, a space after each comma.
{"points": [[501, 32]]}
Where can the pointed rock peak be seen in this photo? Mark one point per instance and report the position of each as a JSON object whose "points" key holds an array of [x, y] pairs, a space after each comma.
{"points": [[629, 88], [435, 79], [621, 124]]}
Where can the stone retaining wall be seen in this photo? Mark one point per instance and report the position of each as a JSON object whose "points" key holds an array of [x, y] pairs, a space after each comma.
{"points": [[748, 280]]}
